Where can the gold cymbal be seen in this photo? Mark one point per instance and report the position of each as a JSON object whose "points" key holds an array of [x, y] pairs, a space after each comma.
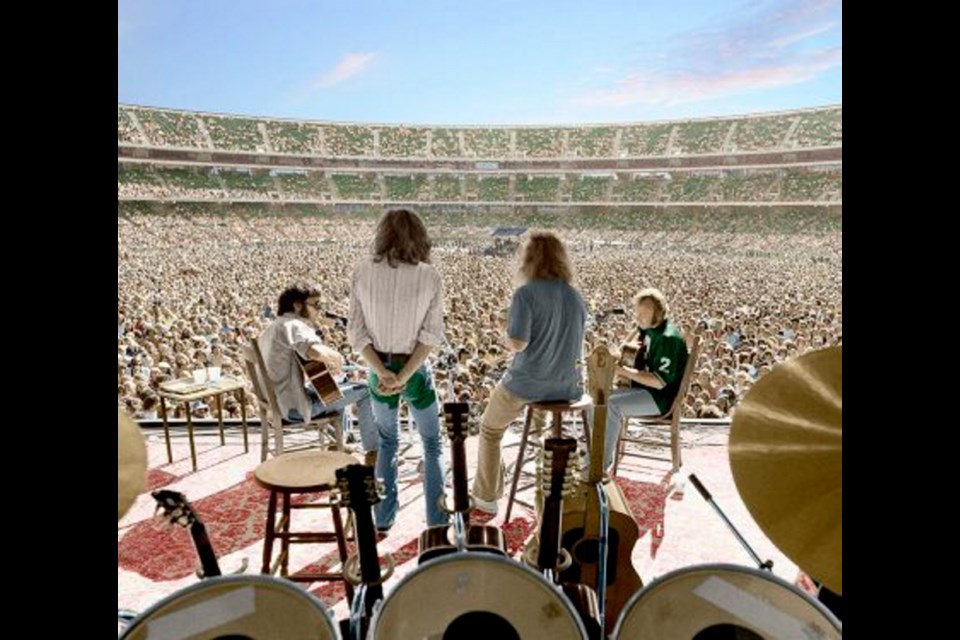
{"points": [[786, 452], [131, 463]]}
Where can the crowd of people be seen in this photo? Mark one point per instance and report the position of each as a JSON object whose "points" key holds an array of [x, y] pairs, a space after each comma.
{"points": [[193, 289]]}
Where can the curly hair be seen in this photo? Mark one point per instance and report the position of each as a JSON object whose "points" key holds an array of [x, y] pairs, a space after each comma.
{"points": [[545, 258], [401, 237], [297, 292]]}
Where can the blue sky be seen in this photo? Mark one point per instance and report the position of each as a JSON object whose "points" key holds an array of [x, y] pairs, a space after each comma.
{"points": [[494, 62]]}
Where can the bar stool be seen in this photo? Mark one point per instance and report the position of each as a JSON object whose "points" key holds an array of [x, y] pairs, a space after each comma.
{"points": [[556, 409], [301, 472]]}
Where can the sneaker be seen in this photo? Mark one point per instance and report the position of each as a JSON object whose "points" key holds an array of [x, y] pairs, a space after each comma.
{"points": [[486, 506]]}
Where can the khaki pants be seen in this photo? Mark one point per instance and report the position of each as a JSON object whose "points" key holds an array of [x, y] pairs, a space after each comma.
{"points": [[503, 407]]}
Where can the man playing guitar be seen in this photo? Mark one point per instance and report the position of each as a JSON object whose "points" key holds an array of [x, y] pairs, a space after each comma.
{"points": [[655, 374], [292, 336]]}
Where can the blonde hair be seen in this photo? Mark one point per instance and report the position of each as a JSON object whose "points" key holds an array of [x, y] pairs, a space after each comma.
{"points": [[545, 257], [659, 302]]}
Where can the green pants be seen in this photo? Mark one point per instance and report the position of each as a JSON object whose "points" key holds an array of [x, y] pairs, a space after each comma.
{"points": [[419, 391]]}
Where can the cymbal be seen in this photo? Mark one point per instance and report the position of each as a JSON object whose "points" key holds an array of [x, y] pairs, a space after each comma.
{"points": [[131, 463], [786, 452]]}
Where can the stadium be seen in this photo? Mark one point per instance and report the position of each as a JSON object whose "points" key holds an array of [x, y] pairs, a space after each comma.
{"points": [[737, 219]]}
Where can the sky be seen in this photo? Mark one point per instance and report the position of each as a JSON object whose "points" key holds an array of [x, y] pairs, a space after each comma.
{"points": [[492, 62]]}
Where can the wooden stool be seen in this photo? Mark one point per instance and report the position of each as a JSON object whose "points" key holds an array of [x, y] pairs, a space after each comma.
{"points": [[556, 409], [301, 472]]}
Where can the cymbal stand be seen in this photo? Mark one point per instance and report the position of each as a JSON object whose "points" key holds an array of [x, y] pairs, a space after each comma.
{"points": [[762, 564]]}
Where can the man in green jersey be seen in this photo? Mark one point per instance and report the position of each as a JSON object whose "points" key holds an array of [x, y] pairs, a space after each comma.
{"points": [[655, 376]]}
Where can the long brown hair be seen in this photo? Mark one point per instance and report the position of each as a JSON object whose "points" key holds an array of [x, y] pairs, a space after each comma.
{"points": [[401, 237], [545, 257]]}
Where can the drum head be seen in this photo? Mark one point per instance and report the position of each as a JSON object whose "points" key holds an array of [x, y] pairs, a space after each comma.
{"points": [[255, 607], [485, 595], [716, 602]]}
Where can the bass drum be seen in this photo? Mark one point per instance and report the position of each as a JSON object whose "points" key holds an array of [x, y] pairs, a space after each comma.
{"points": [[724, 602], [255, 607], [473, 595]]}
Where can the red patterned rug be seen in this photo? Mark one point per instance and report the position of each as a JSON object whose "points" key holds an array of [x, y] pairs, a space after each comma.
{"points": [[157, 478], [234, 518], [647, 502]]}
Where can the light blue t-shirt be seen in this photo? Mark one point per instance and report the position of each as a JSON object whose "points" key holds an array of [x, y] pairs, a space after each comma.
{"points": [[550, 316]]}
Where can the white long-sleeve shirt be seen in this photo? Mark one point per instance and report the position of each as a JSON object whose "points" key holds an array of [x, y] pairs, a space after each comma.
{"points": [[393, 308], [281, 342]]}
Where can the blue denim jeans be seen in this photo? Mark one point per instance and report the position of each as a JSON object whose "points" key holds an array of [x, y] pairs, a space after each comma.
{"points": [[353, 393], [428, 425], [623, 403]]}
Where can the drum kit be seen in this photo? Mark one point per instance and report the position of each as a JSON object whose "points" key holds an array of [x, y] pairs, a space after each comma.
{"points": [[786, 455]]}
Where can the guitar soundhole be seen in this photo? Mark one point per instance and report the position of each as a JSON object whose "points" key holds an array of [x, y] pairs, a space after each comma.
{"points": [[586, 551], [480, 624], [727, 632]]}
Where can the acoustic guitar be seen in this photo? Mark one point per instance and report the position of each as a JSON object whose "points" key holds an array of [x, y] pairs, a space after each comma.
{"points": [[560, 477], [322, 381], [318, 374], [438, 541], [581, 512], [358, 492]]}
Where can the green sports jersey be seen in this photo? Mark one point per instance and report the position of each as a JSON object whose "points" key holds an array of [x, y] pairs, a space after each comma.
{"points": [[665, 355]]}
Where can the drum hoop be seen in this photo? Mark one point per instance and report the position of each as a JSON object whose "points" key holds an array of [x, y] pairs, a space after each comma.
{"points": [[203, 585], [473, 557], [734, 568]]}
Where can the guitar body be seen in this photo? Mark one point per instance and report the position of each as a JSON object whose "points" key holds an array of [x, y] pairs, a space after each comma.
{"points": [[622, 579], [630, 352], [438, 541], [631, 355], [321, 380]]}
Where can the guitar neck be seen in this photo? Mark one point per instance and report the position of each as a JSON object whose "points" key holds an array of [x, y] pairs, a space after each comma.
{"points": [[597, 440], [461, 496], [550, 533], [369, 562], [208, 559], [557, 451], [455, 414]]}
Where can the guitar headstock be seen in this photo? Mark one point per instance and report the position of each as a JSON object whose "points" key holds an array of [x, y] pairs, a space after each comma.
{"points": [[358, 487], [560, 472], [601, 367], [455, 419], [175, 507]]}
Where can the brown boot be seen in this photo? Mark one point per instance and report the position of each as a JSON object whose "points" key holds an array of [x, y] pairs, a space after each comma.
{"points": [[370, 458]]}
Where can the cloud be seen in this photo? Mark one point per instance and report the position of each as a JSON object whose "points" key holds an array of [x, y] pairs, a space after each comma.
{"points": [[679, 88], [792, 38], [757, 46], [349, 65]]}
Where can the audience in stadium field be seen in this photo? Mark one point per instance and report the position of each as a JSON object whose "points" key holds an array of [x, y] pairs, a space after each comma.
{"points": [[193, 289]]}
